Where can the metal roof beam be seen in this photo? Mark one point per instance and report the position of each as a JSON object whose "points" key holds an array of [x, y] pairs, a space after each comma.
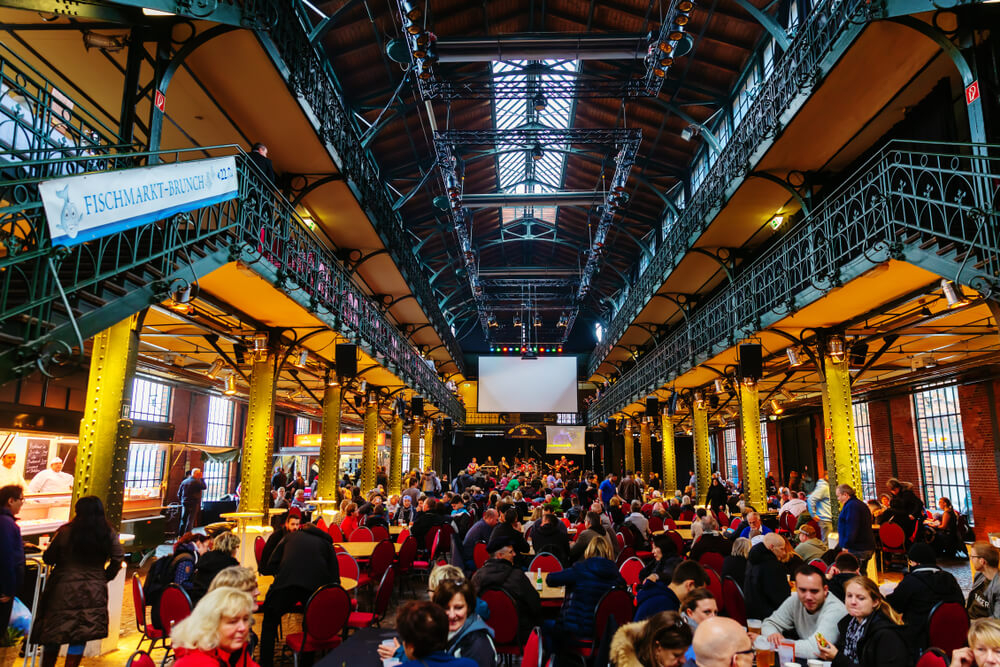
{"points": [[542, 46]]}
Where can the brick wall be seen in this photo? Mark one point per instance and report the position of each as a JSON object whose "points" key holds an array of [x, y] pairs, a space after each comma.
{"points": [[893, 441], [979, 409], [773, 451]]}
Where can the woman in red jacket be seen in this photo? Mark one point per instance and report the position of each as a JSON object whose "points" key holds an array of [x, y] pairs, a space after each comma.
{"points": [[350, 522], [217, 632]]}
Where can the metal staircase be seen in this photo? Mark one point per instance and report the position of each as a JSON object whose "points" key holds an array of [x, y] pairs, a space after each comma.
{"points": [[53, 299], [933, 205]]}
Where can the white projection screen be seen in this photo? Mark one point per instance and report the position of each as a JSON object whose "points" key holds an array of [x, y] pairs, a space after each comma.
{"points": [[561, 440], [512, 384]]}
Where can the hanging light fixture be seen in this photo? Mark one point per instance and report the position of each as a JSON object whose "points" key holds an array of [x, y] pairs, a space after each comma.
{"points": [[217, 365], [410, 10], [794, 358], [539, 102], [303, 359], [411, 26], [332, 380], [776, 407], [517, 320], [537, 152], [230, 386], [720, 386], [835, 348], [537, 320], [260, 345], [953, 294], [699, 399]]}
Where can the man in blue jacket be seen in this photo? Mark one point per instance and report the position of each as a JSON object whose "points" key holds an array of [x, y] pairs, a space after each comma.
{"points": [[855, 526], [608, 489]]}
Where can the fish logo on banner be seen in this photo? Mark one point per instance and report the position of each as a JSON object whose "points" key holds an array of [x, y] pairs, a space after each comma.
{"points": [[70, 215]]}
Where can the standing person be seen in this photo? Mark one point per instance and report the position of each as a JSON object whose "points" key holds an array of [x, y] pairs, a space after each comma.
{"points": [[278, 479], [217, 632], [905, 508], [258, 156], [608, 489], [717, 496], [984, 598], [8, 475], [52, 479], [189, 494], [629, 489], [870, 635], [855, 525], [820, 507], [11, 550], [85, 555]]}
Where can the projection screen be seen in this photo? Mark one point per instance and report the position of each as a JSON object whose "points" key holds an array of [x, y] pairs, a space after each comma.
{"points": [[512, 384], [565, 440]]}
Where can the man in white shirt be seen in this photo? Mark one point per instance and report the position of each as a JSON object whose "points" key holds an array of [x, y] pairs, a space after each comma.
{"points": [[52, 479], [8, 475], [796, 505], [638, 519], [810, 611]]}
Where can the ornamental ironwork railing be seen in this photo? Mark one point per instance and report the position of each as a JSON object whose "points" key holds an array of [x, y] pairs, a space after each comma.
{"points": [[817, 46], [310, 76], [43, 289], [933, 205]]}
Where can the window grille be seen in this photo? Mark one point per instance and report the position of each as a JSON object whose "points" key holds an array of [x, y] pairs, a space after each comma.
{"points": [[866, 455], [732, 455], [764, 446], [943, 466], [144, 471], [150, 400]]}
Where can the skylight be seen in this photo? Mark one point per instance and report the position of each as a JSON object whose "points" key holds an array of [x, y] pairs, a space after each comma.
{"points": [[517, 171]]}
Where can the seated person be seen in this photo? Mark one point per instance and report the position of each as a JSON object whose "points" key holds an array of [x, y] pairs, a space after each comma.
{"points": [[766, 582], [662, 639], [810, 547], [500, 573], [665, 559], [423, 629], [657, 596], [870, 634], [550, 535], [754, 526], [845, 567], [920, 589], [810, 611]]}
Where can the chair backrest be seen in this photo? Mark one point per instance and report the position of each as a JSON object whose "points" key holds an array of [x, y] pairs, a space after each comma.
{"points": [[326, 613], [140, 659], [621, 540], [687, 515], [407, 554], [891, 535], [715, 587], [722, 518], [735, 523], [430, 540], [348, 566], [786, 522], [382, 556], [175, 606], [403, 534], [379, 533], [321, 524], [139, 602], [711, 559], [630, 571], [669, 523], [616, 602], [532, 656], [334, 532], [948, 626], [677, 539], [362, 534], [258, 548], [932, 657], [545, 562], [444, 537], [503, 616], [733, 601], [646, 509], [566, 522], [655, 524], [384, 593], [479, 554], [624, 555], [818, 564]]}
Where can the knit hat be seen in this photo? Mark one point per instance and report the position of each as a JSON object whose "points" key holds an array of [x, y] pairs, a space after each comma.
{"points": [[806, 529], [922, 554], [294, 513]]}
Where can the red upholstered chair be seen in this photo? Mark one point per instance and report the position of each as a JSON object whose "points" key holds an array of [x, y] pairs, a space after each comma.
{"points": [[630, 570], [258, 548], [148, 631], [655, 524], [379, 533], [733, 601], [892, 543], [404, 560], [360, 619], [616, 603], [430, 542], [323, 619], [669, 523], [735, 523], [646, 509], [722, 518], [403, 534], [819, 565], [425, 565], [786, 523], [621, 540], [174, 607], [712, 560], [503, 620], [545, 562], [933, 657], [348, 566], [140, 659], [321, 524], [948, 626], [480, 555], [687, 515], [566, 522], [677, 539], [532, 656], [715, 587], [362, 534], [381, 559], [334, 532]]}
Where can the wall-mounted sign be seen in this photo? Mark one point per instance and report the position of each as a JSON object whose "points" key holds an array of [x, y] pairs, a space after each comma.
{"points": [[346, 439], [526, 431], [83, 208]]}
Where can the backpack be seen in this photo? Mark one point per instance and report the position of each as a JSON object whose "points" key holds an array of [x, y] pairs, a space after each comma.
{"points": [[161, 575]]}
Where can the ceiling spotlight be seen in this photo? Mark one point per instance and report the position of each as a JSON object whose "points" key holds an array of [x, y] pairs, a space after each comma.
{"points": [[699, 399], [303, 359], [720, 386], [333, 380], [230, 386], [776, 407], [398, 51], [260, 345], [412, 11], [410, 26], [111, 43], [491, 320], [537, 320], [563, 320], [517, 320], [789, 396], [681, 20], [794, 357], [216, 368], [685, 6], [536, 152], [953, 294], [689, 132], [835, 348], [423, 70], [539, 102]]}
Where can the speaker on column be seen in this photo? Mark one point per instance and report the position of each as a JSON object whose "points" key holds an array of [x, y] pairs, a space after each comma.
{"points": [[750, 362], [652, 406], [612, 426], [347, 360], [417, 405]]}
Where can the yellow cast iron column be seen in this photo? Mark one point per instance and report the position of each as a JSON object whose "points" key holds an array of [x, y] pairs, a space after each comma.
{"points": [[414, 458], [629, 449], [753, 452], [258, 442], [369, 450], [843, 467], [106, 428], [669, 456], [702, 453], [329, 448], [646, 450], [429, 445], [396, 457]]}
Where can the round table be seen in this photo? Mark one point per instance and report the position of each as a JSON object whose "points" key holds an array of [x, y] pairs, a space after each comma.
{"points": [[547, 592], [242, 519], [685, 533], [396, 530], [361, 549], [348, 584]]}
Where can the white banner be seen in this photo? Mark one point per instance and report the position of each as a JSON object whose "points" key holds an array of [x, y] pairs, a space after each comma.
{"points": [[82, 208]]}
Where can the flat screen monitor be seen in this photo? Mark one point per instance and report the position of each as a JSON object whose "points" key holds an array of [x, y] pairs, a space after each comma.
{"points": [[561, 440]]}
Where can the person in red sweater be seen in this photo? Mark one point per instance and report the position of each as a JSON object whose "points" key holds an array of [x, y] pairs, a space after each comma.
{"points": [[217, 632], [350, 522]]}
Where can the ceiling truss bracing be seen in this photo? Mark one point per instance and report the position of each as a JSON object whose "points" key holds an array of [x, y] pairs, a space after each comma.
{"points": [[454, 146]]}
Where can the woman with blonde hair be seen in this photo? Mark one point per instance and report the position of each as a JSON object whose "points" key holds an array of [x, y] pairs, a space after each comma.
{"points": [[223, 554], [870, 633], [217, 632], [242, 578], [984, 645]]}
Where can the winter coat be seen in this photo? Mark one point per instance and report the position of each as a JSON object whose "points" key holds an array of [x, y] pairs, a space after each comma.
{"points": [[710, 543], [915, 596], [499, 574], [881, 644], [305, 560], [474, 641], [717, 496], [735, 567], [907, 510], [193, 657], [11, 555], [765, 586], [654, 597], [855, 527], [623, 646], [549, 538], [439, 659], [586, 583], [208, 566], [74, 605]]}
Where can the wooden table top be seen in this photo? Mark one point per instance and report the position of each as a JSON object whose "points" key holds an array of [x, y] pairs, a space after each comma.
{"points": [[241, 515], [547, 592], [395, 530], [683, 532], [362, 549]]}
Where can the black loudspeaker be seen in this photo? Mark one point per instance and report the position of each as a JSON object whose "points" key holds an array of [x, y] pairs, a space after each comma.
{"points": [[448, 424], [859, 352], [347, 360], [612, 425], [417, 405], [750, 362], [359, 401], [652, 406]]}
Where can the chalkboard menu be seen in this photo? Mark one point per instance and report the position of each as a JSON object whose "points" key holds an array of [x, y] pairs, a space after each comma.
{"points": [[37, 457]]}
